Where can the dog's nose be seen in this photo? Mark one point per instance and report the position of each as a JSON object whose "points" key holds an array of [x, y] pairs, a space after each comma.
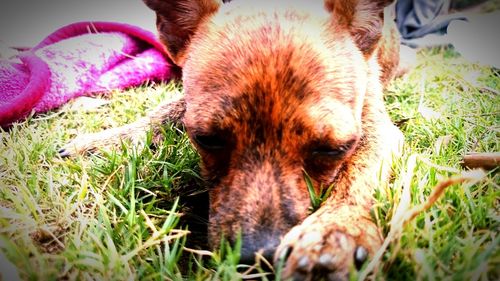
{"points": [[264, 243]]}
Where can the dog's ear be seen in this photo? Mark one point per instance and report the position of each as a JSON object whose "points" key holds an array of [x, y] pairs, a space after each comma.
{"points": [[363, 18], [178, 20]]}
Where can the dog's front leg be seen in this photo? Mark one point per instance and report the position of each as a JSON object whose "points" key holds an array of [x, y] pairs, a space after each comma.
{"points": [[169, 111], [341, 234]]}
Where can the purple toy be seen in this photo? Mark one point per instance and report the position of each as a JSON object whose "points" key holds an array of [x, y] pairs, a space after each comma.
{"points": [[80, 59]]}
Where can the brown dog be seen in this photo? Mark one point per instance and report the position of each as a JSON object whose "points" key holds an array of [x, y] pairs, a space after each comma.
{"points": [[273, 89]]}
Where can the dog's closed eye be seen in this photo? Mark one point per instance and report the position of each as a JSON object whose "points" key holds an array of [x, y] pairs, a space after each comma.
{"points": [[326, 150], [210, 142], [323, 157]]}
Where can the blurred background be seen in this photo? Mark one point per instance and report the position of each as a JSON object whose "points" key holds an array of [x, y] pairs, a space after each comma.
{"points": [[24, 23]]}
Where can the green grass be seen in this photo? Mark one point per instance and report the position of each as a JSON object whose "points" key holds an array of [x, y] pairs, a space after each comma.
{"points": [[113, 215]]}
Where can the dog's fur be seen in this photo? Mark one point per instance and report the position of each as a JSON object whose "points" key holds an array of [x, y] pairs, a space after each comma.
{"points": [[273, 89]]}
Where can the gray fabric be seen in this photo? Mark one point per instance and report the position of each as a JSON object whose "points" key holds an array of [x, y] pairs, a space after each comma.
{"points": [[417, 18]]}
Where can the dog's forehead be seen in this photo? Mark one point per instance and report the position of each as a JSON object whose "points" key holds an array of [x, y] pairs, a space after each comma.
{"points": [[269, 61], [229, 54], [297, 9]]}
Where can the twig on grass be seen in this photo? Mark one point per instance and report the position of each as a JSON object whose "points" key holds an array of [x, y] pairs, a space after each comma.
{"points": [[489, 160]]}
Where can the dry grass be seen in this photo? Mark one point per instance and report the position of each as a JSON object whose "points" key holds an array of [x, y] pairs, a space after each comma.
{"points": [[113, 215]]}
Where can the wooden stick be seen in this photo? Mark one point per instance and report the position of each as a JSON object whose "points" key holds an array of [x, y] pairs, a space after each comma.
{"points": [[488, 160]]}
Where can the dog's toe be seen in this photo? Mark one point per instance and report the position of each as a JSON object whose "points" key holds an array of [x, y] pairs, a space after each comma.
{"points": [[360, 256], [63, 153]]}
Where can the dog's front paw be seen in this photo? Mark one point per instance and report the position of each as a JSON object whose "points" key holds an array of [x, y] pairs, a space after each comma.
{"points": [[327, 247]]}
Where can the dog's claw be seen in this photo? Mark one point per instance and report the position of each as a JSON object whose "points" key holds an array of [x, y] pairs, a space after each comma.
{"points": [[63, 153], [285, 254], [360, 256]]}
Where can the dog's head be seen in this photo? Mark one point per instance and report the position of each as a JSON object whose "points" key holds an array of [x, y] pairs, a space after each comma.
{"points": [[272, 89]]}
